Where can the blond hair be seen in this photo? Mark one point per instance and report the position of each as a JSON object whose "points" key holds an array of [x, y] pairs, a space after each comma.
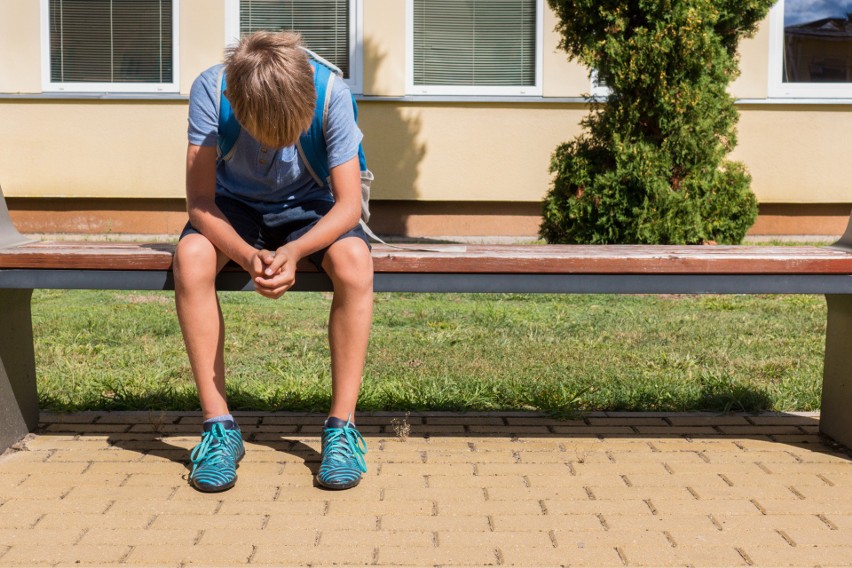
{"points": [[270, 86]]}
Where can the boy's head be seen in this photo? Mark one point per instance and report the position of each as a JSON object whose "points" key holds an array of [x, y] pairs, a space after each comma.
{"points": [[271, 87]]}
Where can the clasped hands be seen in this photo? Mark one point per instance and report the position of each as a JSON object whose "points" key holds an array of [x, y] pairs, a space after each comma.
{"points": [[273, 272]]}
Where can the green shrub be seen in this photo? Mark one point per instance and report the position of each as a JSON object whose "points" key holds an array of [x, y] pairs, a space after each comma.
{"points": [[650, 166]]}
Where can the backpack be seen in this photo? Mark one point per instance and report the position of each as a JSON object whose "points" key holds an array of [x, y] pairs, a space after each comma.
{"points": [[311, 145]]}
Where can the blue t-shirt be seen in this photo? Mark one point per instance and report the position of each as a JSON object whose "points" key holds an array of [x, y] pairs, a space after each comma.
{"points": [[270, 179]]}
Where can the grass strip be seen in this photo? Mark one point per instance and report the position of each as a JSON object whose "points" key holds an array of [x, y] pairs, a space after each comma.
{"points": [[113, 350]]}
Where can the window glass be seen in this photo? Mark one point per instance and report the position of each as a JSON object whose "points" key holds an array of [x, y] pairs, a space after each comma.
{"points": [[324, 24], [111, 41], [817, 41], [474, 43]]}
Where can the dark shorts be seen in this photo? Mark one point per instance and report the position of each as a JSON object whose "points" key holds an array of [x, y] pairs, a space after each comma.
{"points": [[272, 230]]}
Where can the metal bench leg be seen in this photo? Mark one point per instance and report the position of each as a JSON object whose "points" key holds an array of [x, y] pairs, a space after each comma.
{"points": [[18, 395], [836, 412]]}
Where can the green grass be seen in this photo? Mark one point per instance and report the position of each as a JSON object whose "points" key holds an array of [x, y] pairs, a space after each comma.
{"points": [[558, 354]]}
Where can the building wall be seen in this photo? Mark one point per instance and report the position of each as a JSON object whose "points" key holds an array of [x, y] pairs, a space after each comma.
{"points": [[462, 150]]}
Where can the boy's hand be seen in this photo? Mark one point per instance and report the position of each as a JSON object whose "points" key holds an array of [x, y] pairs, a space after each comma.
{"points": [[274, 272]]}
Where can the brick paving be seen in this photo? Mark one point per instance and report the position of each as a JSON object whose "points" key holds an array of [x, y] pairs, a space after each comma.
{"points": [[508, 489]]}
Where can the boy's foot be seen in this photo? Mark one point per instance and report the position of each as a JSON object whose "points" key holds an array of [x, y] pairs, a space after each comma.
{"points": [[343, 450], [214, 460]]}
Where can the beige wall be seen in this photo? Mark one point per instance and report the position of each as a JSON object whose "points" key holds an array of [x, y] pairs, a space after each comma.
{"points": [[753, 82], [92, 148], [464, 152], [202, 38], [20, 46], [796, 154], [384, 48], [454, 151]]}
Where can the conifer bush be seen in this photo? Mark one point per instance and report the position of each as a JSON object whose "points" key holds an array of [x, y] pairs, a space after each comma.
{"points": [[650, 165]]}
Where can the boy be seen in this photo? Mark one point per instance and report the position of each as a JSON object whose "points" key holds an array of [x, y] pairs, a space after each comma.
{"points": [[259, 207]]}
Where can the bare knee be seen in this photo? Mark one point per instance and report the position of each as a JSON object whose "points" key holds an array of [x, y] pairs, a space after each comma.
{"points": [[194, 262], [349, 264]]}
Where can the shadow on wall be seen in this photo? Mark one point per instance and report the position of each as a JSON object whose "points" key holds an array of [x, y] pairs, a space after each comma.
{"points": [[393, 147]]}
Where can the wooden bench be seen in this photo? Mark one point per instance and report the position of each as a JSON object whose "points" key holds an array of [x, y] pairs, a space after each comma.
{"points": [[630, 269]]}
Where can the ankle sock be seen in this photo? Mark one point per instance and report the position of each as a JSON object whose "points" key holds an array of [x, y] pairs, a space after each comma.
{"points": [[227, 420], [334, 422]]}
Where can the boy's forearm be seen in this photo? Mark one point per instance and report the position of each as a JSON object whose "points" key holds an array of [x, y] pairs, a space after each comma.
{"points": [[327, 230], [343, 216], [206, 217]]}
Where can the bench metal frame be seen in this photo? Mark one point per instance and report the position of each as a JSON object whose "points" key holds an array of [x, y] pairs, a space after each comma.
{"points": [[18, 395]]}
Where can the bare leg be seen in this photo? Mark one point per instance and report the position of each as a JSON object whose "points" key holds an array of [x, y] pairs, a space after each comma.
{"points": [[350, 266], [197, 262]]}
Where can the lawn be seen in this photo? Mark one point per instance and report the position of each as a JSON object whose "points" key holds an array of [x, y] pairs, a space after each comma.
{"points": [[553, 353]]}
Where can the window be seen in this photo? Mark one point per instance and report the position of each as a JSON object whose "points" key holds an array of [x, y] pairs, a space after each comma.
{"points": [[109, 45], [474, 47], [811, 50], [328, 27]]}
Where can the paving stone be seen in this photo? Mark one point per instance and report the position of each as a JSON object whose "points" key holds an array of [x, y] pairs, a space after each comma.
{"points": [[19, 520], [556, 522], [449, 481], [470, 555], [319, 523], [497, 539], [708, 420], [421, 507], [39, 537], [377, 538], [609, 539], [353, 555], [36, 492], [184, 536], [274, 508], [241, 492], [70, 418], [634, 507], [78, 554], [641, 493], [707, 506], [562, 556], [819, 537], [840, 520], [236, 535], [740, 523], [618, 523], [87, 428], [713, 537], [182, 522], [452, 508], [200, 555], [642, 555], [57, 506], [784, 420], [563, 493], [839, 505], [402, 522], [801, 556], [94, 520]]}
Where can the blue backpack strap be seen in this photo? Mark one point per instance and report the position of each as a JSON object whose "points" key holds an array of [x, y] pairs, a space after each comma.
{"points": [[362, 160], [311, 146], [229, 128]]}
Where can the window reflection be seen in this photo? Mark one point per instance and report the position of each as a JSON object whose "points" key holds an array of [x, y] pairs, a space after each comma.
{"points": [[817, 41]]}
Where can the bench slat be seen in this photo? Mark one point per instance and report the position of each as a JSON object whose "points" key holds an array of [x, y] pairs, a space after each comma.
{"points": [[479, 259]]}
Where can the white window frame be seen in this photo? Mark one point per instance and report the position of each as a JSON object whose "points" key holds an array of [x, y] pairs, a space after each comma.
{"points": [[461, 90], [777, 87], [355, 82], [68, 87], [597, 89]]}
